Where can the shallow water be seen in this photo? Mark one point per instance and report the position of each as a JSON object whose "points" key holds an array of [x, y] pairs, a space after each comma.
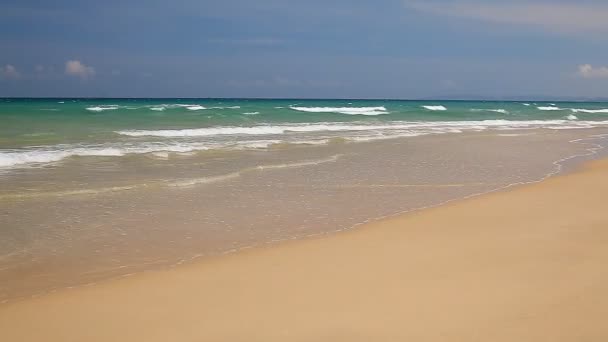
{"points": [[101, 218], [86, 217]]}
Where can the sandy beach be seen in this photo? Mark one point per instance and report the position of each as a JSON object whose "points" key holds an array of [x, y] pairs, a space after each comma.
{"points": [[526, 264]]}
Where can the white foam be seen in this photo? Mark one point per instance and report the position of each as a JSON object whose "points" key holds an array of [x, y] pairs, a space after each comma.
{"points": [[502, 111], [195, 107], [251, 113], [50, 154], [572, 117], [165, 106], [102, 108], [526, 104], [435, 108], [199, 139], [424, 126], [592, 111], [549, 108], [237, 174], [205, 180], [343, 110], [229, 107]]}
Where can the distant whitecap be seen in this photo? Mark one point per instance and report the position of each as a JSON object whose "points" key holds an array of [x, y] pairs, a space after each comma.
{"points": [[435, 108]]}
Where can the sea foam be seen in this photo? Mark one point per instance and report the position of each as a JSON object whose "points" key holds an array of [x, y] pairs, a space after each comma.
{"points": [[435, 108], [102, 108], [436, 126], [195, 107], [549, 108], [502, 111], [592, 111], [343, 110], [572, 117]]}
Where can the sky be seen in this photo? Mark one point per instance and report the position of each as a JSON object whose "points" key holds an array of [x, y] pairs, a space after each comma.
{"points": [[402, 49]]}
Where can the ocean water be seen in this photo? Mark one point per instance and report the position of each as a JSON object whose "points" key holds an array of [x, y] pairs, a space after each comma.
{"points": [[100, 188], [40, 131]]}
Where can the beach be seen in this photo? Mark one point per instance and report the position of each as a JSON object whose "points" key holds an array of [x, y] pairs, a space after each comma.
{"points": [[99, 189], [523, 264]]}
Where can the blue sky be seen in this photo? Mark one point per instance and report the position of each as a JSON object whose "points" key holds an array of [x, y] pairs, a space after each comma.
{"points": [[318, 49]]}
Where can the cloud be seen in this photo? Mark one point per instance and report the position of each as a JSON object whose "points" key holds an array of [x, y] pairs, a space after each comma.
{"points": [[10, 72], [588, 71], [554, 17], [76, 68]]}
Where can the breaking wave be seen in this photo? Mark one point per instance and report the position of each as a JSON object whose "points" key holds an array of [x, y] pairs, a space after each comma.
{"points": [[343, 110], [435, 108], [592, 111], [102, 108], [549, 108], [572, 117], [421, 127], [502, 111]]}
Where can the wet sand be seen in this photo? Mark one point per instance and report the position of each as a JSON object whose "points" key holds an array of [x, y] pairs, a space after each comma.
{"points": [[527, 264]]}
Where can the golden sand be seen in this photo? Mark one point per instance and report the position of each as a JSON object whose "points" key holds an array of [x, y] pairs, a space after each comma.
{"points": [[529, 264]]}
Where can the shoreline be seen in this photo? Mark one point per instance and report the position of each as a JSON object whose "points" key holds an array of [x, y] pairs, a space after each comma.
{"points": [[591, 148], [353, 280]]}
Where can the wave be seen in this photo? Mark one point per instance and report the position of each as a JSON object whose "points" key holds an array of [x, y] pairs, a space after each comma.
{"points": [[592, 111], [435, 108], [267, 136], [572, 117], [102, 108], [355, 126], [502, 111], [50, 154], [229, 107], [343, 110], [237, 174], [195, 107], [251, 113], [165, 106], [57, 153], [549, 108]]}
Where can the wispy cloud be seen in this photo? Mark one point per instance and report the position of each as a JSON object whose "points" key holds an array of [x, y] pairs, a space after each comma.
{"points": [[78, 69], [589, 71], [555, 17], [10, 72]]}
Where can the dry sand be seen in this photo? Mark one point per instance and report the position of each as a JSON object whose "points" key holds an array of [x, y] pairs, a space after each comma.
{"points": [[529, 264]]}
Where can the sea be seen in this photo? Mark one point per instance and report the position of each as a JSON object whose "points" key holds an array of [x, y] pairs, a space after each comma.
{"points": [[96, 189]]}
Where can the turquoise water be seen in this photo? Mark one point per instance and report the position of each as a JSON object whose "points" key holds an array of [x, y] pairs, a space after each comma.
{"points": [[38, 131]]}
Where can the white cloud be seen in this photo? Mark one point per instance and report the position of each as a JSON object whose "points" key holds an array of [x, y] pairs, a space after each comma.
{"points": [[10, 72], [588, 71], [76, 68], [555, 17]]}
